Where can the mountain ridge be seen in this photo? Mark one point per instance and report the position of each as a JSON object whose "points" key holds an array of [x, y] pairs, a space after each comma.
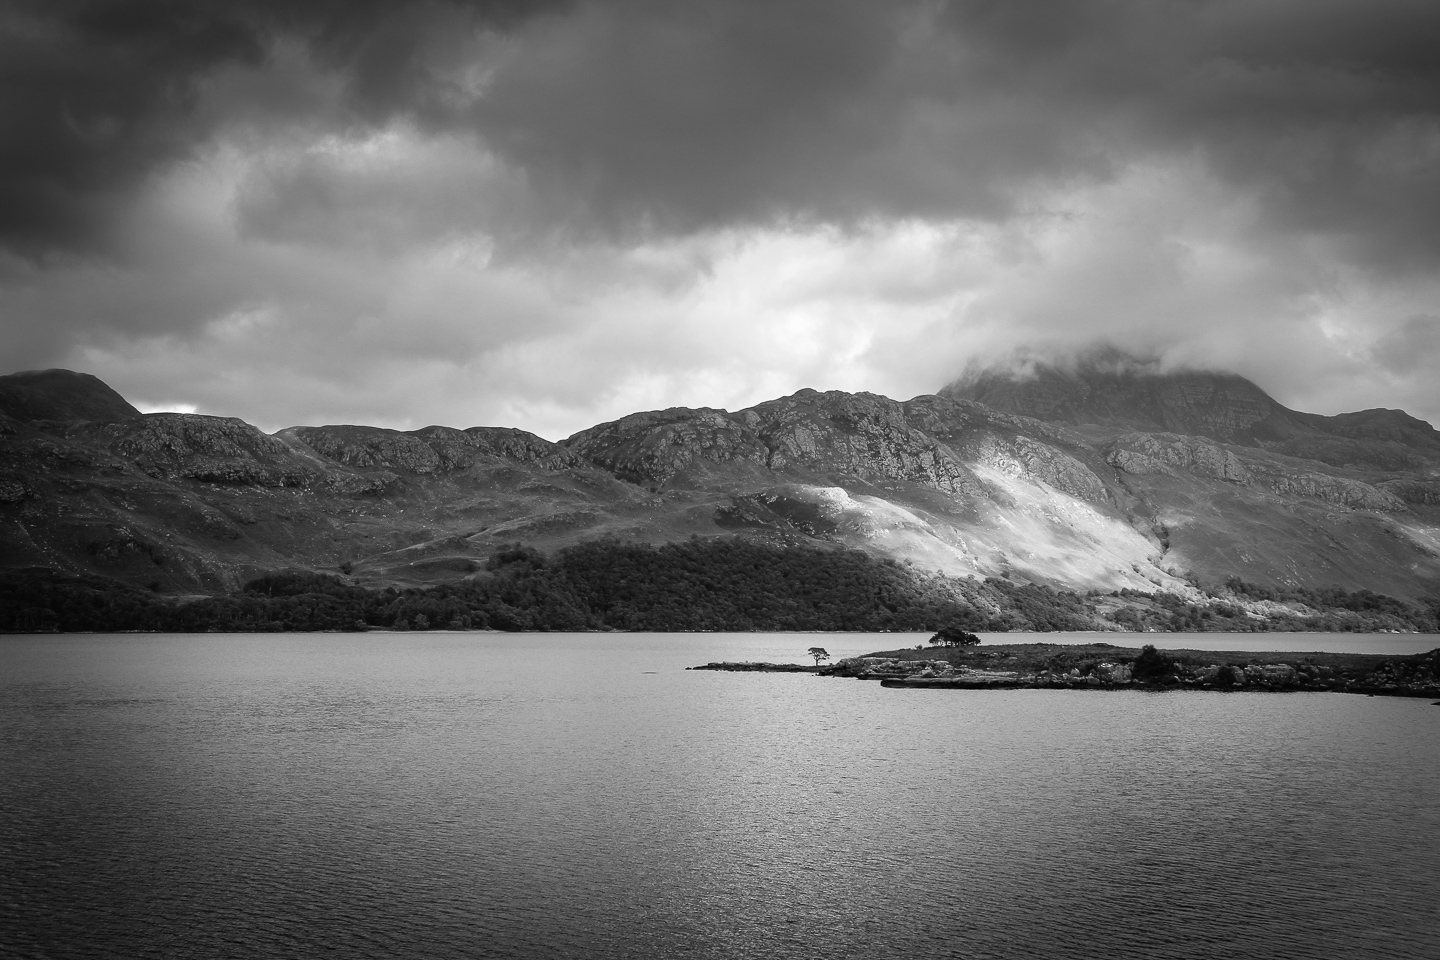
{"points": [[1097, 497]]}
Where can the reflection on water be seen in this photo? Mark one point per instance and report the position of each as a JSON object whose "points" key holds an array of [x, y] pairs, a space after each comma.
{"points": [[463, 795]]}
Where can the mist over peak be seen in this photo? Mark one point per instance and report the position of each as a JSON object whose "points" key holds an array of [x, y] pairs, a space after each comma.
{"points": [[1104, 385], [1100, 358]]}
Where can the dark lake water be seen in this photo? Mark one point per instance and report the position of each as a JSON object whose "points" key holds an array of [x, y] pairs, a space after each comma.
{"points": [[454, 795]]}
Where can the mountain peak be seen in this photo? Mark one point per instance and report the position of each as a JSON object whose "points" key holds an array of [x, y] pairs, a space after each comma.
{"points": [[61, 395], [1113, 389]]}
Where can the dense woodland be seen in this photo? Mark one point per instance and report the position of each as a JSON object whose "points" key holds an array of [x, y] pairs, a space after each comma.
{"points": [[719, 585]]}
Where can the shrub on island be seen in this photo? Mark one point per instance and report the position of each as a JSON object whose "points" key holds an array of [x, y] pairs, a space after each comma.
{"points": [[953, 636]]}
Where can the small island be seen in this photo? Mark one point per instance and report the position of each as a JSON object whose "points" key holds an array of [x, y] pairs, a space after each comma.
{"points": [[1105, 666]]}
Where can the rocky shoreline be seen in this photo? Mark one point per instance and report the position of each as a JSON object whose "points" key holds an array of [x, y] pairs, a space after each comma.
{"points": [[1102, 666]]}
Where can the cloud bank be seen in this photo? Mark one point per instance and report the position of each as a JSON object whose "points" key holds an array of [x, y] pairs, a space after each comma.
{"points": [[551, 214]]}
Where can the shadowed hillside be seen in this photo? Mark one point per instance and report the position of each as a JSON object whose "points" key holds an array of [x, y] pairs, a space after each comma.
{"points": [[61, 395]]}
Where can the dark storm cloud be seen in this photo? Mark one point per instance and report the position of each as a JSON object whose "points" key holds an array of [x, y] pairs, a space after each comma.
{"points": [[683, 116], [687, 116], [89, 100], [1330, 111], [96, 95], [1412, 348], [691, 115]]}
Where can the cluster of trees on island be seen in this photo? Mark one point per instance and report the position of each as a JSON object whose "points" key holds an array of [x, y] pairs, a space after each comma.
{"points": [[704, 585]]}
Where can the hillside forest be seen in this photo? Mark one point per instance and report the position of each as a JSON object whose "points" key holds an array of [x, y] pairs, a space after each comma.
{"points": [[715, 584]]}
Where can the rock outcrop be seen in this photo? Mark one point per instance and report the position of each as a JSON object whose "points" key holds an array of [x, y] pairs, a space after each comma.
{"points": [[863, 436], [1141, 453], [429, 450], [1355, 494], [1423, 492], [652, 448], [857, 435], [211, 449], [1024, 458]]}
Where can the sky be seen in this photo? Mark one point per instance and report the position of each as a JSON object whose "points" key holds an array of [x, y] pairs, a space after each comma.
{"points": [[551, 214]]}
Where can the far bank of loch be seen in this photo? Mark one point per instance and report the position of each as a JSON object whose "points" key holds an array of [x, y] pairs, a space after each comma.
{"points": [[1104, 666]]}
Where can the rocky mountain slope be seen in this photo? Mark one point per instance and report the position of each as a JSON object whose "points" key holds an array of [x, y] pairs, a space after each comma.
{"points": [[1082, 478]]}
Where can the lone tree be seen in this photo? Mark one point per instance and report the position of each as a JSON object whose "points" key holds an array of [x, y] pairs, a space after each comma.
{"points": [[1152, 665], [955, 637], [819, 653]]}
